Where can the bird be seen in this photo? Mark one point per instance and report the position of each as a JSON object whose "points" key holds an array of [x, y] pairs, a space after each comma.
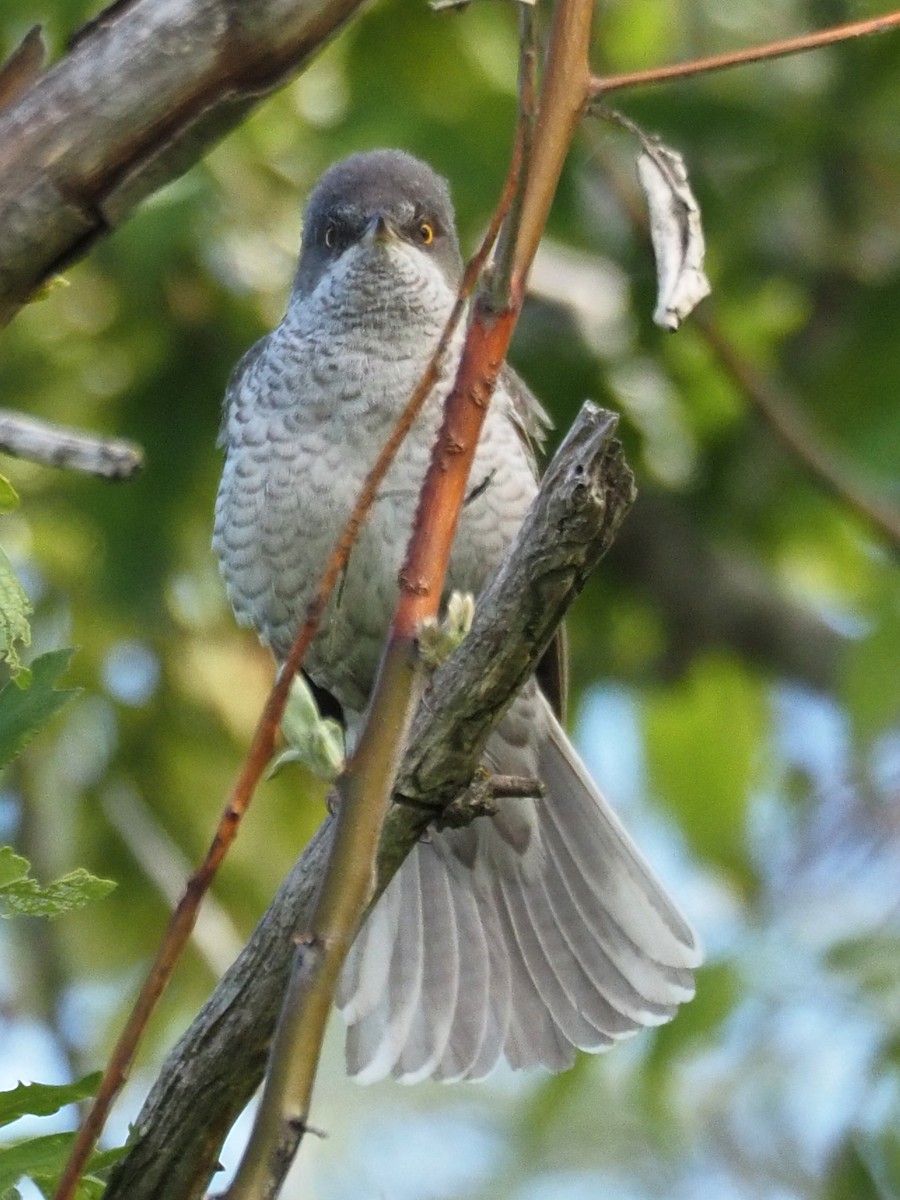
{"points": [[542, 930]]}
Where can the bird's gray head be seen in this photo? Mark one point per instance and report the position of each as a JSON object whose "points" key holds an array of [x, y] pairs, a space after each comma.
{"points": [[376, 199]]}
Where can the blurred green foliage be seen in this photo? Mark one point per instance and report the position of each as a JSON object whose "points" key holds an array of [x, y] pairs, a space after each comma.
{"points": [[769, 787]]}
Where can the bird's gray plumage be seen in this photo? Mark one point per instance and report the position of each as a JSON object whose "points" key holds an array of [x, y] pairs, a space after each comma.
{"points": [[523, 937]]}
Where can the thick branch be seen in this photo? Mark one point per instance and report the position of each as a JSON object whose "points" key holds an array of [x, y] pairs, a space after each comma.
{"points": [[217, 1065], [145, 91]]}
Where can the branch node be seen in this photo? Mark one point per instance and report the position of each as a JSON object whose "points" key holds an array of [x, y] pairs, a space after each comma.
{"points": [[481, 796]]}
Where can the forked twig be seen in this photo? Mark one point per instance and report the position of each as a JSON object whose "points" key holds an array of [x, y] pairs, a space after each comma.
{"points": [[568, 88], [365, 787], [262, 745]]}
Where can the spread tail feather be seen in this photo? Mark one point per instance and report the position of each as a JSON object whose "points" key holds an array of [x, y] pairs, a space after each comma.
{"points": [[523, 937]]}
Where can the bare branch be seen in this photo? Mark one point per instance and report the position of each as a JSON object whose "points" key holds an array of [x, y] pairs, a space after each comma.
{"points": [[602, 86], [107, 126], [262, 746], [219, 1062], [53, 446], [787, 420], [564, 96]]}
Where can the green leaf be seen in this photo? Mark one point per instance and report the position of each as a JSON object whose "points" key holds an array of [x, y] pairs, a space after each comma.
{"points": [[89, 1187], [36, 1156], [42, 1160], [9, 497], [314, 741], [21, 895], [44, 1099], [23, 712], [15, 608]]}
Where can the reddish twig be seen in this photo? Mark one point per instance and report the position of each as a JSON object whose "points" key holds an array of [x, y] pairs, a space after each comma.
{"points": [[501, 281], [562, 101], [365, 787], [422, 577], [364, 794], [263, 744], [738, 58]]}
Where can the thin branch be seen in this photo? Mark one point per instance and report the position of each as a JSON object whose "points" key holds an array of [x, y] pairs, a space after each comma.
{"points": [[262, 747], [365, 787], [601, 86], [500, 287], [796, 432], [565, 92], [53, 446], [217, 1066]]}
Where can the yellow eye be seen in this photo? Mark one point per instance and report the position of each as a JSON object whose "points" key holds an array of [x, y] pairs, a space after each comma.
{"points": [[426, 233], [331, 235]]}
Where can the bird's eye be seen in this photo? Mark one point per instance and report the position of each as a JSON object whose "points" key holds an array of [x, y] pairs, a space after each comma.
{"points": [[330, 235], [426, 233]]}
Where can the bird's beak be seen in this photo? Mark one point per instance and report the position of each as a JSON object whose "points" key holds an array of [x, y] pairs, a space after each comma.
{"points": [[380, 230]]}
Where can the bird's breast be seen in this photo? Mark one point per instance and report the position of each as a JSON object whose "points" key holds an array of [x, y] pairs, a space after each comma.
{"points": [[315, 417]]}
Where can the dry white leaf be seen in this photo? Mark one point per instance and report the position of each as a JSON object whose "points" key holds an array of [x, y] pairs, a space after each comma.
{"points": [[676, 232]]}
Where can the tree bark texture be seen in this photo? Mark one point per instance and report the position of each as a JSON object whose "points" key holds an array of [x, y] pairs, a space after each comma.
{"points": [[146, 88], [217, 1065]]}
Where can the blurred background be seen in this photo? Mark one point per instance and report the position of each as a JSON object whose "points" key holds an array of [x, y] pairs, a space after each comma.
{"points": [[736, 660]]}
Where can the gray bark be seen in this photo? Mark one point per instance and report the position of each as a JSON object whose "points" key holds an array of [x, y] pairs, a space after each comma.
{"points": [[217, 1065], [143, 93]]}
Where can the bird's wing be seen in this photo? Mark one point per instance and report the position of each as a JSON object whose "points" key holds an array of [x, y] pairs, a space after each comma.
{"points": [[232, 400], [530, 416]]}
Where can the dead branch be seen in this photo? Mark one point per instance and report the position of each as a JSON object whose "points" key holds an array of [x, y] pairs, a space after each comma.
{"points": [[72, 449]]}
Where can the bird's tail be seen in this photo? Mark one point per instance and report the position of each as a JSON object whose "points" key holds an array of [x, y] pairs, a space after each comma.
{"points": [[524, 937]]}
